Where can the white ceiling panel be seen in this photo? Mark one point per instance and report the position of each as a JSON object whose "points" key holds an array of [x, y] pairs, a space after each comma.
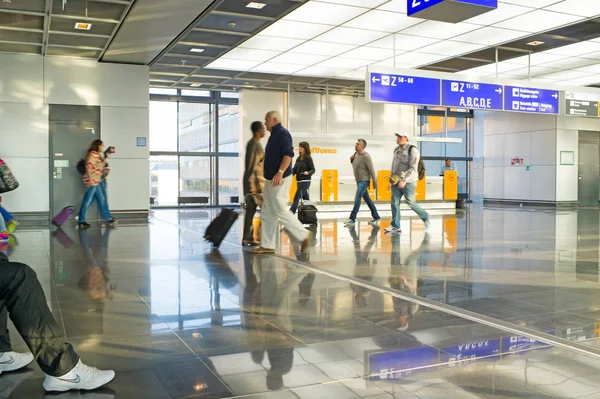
{"points": [[370, 53], [537, 59], [590, 68], [322, 71], [251, 54], [294, 30], [383, 21], [570, 63], [440, 30], [274, 67], [451, 48], [351, 36], [490, 36], [357, 3], [503, 12], [409, 43], [356, 74], [418, 59], [565, 75], [299, 59], [577, 49], [324, 13], [535, 71], [271, 43], [237, 65], [583, 8], [323, 48], [395, 6], [530, 3], [538, 21], [343, 62]]}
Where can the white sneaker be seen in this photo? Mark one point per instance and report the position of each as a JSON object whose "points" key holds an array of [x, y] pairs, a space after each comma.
{"points": [[393, 230], [12, 361], [82, 377], [349, 223]]}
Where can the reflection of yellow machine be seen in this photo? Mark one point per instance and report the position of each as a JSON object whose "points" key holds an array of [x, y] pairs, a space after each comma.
{"points": [[329, 185]]}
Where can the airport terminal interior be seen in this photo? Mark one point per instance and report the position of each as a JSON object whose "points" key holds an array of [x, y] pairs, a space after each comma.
{"points": [[495, 294]]}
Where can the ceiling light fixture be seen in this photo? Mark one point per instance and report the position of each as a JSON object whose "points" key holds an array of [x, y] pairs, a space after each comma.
{"points": [[535, 43], [258, 6], [195, 85], [83, 26], [196, 50]]}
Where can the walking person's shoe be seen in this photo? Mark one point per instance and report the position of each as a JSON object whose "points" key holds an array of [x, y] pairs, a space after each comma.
{"points": [[262, 250], [12, 226], [4, 236], [349, 223], [82, 377], [246, 243], [392, 229], [84, 225], [13, 361], [307, 241], [427, 224], [112, 222], [374, 222]]}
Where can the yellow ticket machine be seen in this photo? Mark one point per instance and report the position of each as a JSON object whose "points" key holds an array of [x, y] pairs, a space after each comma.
{"points": [[329, 185], [451, 185]]}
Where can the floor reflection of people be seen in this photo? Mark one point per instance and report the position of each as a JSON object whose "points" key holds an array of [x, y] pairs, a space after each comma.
{"points": [[96, 279], [363, 269], [265, 295], [404, 277]]}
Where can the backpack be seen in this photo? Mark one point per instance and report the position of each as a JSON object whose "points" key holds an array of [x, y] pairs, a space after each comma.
{"points": [[81, 166], [420, 166]]}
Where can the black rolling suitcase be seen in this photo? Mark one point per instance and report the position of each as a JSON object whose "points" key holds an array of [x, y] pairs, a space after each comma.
{"points": [[218, 228], [307, 213]]}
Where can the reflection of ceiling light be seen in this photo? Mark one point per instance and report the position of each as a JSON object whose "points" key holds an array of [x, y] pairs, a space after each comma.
{"points": [[83, 26], [196, 50], [195, 85], [258, 6], [535, 43]]}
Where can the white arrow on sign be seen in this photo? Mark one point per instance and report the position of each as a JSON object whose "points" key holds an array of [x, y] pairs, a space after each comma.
{"points": [[499, 90], [555, 95], [374, 79]]}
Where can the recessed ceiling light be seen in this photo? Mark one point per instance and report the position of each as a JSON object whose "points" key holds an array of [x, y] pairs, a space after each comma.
{"points": [[83, 26], [195, 85], [196, 50], [258, 6], [535, 43]]}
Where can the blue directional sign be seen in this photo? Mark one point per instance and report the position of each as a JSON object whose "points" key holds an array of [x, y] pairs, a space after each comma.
{"points": [[471, 351], [415, 6], [449, 10], [396, 365], [473, 95], [391, 88], [525, 99]]}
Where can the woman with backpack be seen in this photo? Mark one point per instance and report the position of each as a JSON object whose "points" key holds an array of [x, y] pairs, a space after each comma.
{"points": [[95, 171], [304, 168]]}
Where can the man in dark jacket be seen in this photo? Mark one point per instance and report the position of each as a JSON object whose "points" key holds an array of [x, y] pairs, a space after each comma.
{"points": [[253, 180], [278, 170]]}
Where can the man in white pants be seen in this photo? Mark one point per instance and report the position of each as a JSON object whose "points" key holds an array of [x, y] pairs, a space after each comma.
{"points": [[278, 174]]}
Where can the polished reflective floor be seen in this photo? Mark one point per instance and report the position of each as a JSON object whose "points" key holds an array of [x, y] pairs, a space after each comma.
{"points": [[177, 320]]}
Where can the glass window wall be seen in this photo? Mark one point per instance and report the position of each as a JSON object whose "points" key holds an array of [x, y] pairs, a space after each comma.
{"points": [[194, 150]]}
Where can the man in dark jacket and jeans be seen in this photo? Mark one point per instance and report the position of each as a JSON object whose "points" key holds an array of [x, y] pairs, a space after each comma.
{"points": [[278, 170]]}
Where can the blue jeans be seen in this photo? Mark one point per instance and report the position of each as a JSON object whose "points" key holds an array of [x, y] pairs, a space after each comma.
{"points": [[97, 193], [2, 224], [301, 192], [361, 193], [409, 193], [6, 214]]}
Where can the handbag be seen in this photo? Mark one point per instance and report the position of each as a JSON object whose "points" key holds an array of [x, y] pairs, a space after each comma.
{"points": [[9, 183]]}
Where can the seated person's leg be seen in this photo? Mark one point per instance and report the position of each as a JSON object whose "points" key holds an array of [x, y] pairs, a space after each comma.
{"points": [[23, 297]]}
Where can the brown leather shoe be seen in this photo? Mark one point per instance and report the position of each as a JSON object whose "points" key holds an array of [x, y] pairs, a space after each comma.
{"points": [[261, 250], [307, 241]]}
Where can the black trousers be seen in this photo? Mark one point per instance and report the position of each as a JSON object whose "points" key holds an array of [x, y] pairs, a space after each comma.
{"points": [[251, 206], [22, 297]]}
